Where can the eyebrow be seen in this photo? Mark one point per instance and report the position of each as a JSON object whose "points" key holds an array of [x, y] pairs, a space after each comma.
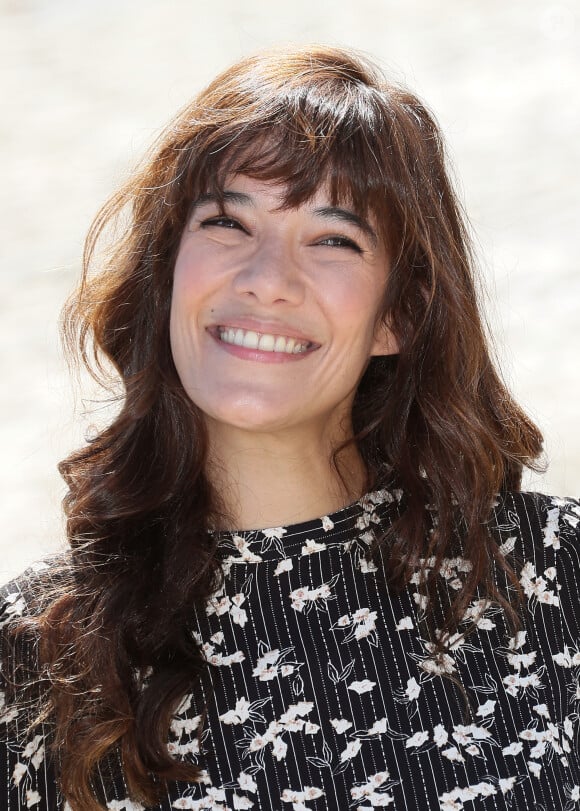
{"points": [[344, 215], [236, 197]]}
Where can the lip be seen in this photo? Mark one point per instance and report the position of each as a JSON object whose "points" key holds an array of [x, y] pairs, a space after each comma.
{"points": [[263, 327], [257, 355]]}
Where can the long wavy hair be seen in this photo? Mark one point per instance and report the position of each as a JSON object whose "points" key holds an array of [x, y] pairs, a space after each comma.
{"points": [[115, 639]]}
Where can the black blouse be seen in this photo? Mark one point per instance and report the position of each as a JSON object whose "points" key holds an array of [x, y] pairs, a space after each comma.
{"points": [[326, 695]]}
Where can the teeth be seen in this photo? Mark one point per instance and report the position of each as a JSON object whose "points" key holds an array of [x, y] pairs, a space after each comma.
{"points": [[265, 342], [251, 340]]}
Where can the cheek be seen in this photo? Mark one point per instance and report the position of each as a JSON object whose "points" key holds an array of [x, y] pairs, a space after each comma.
{"points": [[354, 307]]}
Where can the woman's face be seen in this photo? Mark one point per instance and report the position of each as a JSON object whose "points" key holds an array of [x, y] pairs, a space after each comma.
{"points": [[274, 312]]}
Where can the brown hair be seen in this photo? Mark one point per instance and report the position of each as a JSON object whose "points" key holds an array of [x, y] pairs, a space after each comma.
{"points": [[436, 418]]}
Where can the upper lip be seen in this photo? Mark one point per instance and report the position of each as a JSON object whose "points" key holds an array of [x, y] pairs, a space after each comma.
{"points": [[263, 327]]}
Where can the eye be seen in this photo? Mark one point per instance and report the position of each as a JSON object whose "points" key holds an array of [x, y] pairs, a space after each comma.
{"points": [[222, 222], [341, 242]]}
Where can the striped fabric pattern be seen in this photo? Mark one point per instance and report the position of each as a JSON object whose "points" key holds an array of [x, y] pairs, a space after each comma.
{"points": [[327, 694]]}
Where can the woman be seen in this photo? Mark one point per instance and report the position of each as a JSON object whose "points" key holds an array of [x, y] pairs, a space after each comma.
{"points": [[301, 573]]}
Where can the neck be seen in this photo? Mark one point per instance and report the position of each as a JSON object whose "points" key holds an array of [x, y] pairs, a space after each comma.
{"points": [[266, 481]]}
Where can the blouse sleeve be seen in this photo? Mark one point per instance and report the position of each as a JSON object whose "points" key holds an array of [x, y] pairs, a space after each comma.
{"points": [[567, 541], [26, 778]]}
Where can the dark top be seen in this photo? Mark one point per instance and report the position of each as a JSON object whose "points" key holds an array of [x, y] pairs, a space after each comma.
{"points": [[327, 695]]}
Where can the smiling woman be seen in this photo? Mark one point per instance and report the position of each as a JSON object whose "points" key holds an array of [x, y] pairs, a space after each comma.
{"points": [[301, 570]]}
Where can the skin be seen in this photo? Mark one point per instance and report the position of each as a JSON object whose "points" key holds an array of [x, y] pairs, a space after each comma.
{"points": [[313, 273]]}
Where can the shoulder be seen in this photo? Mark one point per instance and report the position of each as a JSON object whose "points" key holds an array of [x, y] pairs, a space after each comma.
{"points": [[540, 535], [537, 520], [28, 593], [26, 777], [21, 601], [17, 595]]}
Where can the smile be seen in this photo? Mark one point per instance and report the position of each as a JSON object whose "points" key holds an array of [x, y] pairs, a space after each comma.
{"points": [[263, 342]]}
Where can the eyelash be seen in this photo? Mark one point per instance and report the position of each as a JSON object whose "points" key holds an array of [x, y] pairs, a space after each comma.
{"points": [[331, 242], [341, 242], [221, 222]]}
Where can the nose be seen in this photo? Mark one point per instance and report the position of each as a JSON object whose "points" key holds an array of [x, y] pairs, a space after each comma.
{"points": [[271, 275]]}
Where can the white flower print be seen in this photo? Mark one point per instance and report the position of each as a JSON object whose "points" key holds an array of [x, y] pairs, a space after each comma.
{"points": [[413, 689], [551, 530], [362, 625], [304, 598], [229, 605], [239, 715], [274, 663], [507, 547], [378, 728], [374, 791], [535, 768], [366, 566], [542, 710], [438, 664], [451, 570], [573, 795], [125, 805], [285, 565], [7, 712], [421, 600], [274, 532], [247, 782], [352, 749], [279, 748], [292, 720], [418, 739], [409, 695], [455, 799], [364, 686], [299, 798], [453, 754], [246, 555], [519, 660], [340, 725], [18, 773], [15, 607], [221, 659], [569, 657], [327, 523], [214, 799], [478, 613], [518, 641], [514, 748], [405, 624], [486, 709], [440, 735], [311, 547], [237, 613], [536, 587], [532, 682], [241, 803]]}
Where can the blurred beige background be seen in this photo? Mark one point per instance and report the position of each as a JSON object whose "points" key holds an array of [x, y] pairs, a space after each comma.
{"points": [[87, 85]]}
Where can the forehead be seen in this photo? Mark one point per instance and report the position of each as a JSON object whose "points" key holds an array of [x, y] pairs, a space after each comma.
{"points": [[244, 189]]}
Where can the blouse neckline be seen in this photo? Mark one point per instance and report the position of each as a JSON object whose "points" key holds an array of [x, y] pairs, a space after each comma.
{"points": [[305, 537]]}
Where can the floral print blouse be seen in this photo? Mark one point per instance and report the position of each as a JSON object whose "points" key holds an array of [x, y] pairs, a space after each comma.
{"points": [[328, 697]]}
